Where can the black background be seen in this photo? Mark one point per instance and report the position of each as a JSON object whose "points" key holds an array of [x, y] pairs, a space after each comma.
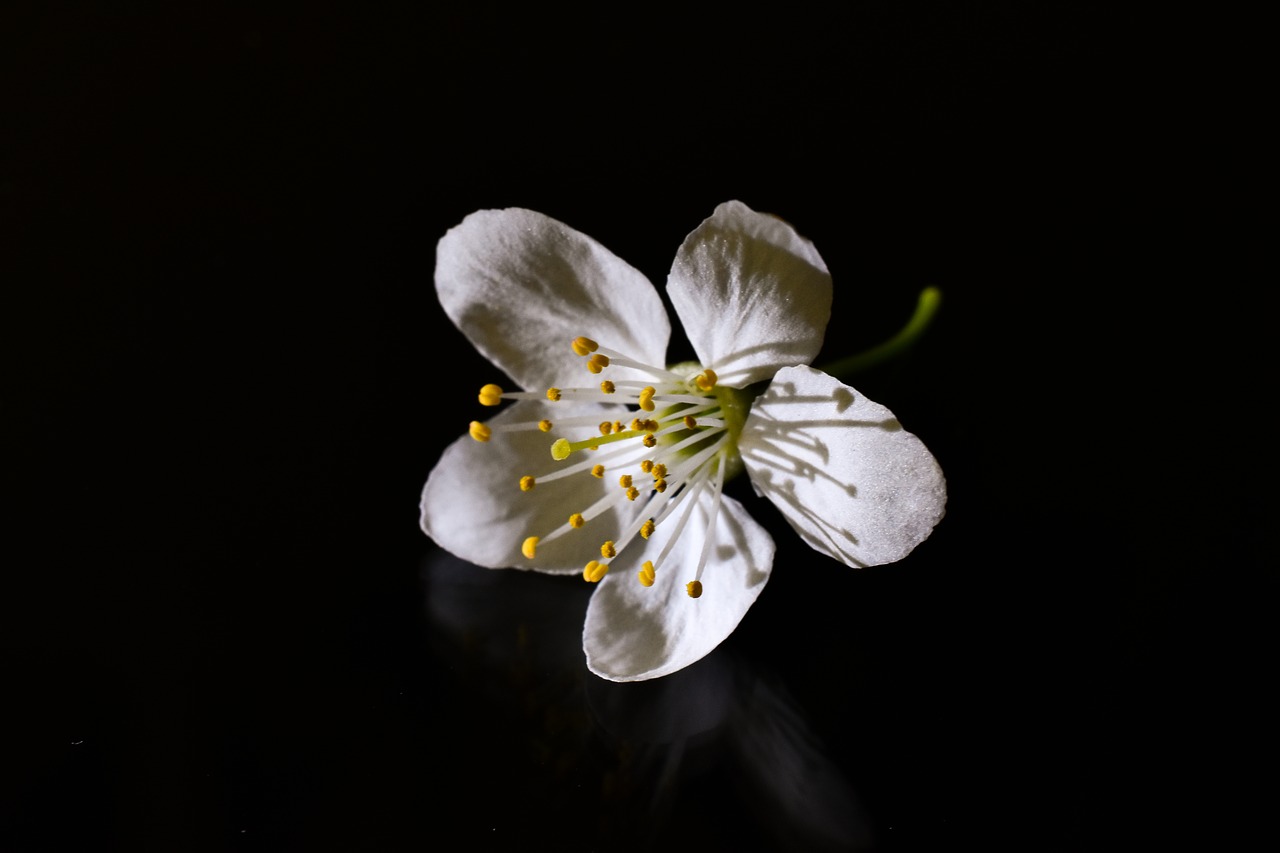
{"points": [[226, 378]]}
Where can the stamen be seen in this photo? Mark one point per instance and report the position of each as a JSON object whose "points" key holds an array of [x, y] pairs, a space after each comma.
{"points": [[706, 380], [527, 483], [553, 394], [530, 547], [712, 514], [597, 471], [646, 529], [583, 346], [621, 360], [625, 481], [607, 550], [607, 387], [597, 362], [479, 431], [493, 393], [576, 520], [544, 425], [594, 570], [694, 588], [606, 427], [690, 421], [670, 507], [646, 574], [646, 398], [592, 395], [687, 399]]}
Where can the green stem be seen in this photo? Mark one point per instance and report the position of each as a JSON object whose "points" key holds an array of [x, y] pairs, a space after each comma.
{"points": [[926, 307]]}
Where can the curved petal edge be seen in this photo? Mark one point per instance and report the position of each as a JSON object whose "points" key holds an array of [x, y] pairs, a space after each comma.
{"points": [[634, 633], [521, 286], [753, 295], [840, 468]]}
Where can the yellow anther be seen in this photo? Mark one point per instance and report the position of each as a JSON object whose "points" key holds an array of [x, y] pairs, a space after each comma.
{"points": [[660, 485], [606, 427], [530, 547], [607, 387], [597, 471], [607, 550], [584, 346], [594, 570], [651, 425], [694, 588], [646, 529], [625, 481], [706, 380], [617, 426], [576, 520], [646, 465], [553, 394], [636, 425], [690, 421], [646, 398], [561, 449], [490, 395], [646, 574], [527, 482], [597, 362], [658, 470], [544, 425], [633, 493], [649, 440], [479, 431]]}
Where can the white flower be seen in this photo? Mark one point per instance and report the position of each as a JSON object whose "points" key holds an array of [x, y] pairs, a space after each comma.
{"points": [[622, 480]]}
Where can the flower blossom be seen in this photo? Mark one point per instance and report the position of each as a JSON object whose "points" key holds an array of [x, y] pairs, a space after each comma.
{"points": [[608, 461]]}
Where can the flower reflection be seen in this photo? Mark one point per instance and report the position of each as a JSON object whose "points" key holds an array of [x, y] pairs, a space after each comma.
{"points": [[718, 750]]}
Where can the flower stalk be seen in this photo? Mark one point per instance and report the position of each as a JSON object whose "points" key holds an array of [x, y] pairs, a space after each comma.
{"points": [[927, 305]]}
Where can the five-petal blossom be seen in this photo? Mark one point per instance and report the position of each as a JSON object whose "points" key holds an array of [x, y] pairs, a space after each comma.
{"points": [[578, 477]]}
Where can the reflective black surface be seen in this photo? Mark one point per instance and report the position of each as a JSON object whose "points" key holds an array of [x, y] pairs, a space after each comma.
{"points": [[227, 379]]}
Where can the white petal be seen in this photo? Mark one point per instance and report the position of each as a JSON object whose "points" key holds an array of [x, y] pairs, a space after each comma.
{"points": [[753, 295], [472, 505], [635, 633], [521, 286], [853, 483]]}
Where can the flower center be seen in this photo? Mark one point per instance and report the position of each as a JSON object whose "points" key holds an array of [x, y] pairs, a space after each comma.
{"points": [[672, 456]]}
